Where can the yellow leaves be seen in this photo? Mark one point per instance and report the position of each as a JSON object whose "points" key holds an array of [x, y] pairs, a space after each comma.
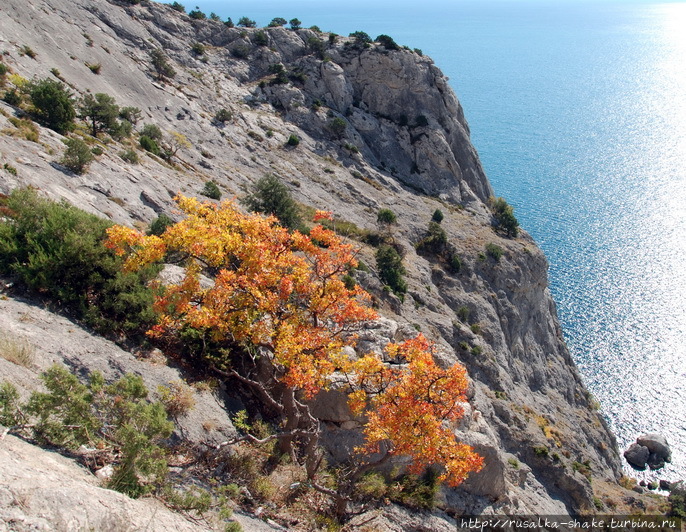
{"points": [[281, 295], [412, 409]]}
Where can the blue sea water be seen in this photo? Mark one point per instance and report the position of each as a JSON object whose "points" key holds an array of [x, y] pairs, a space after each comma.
{"points": [[578, 111]]}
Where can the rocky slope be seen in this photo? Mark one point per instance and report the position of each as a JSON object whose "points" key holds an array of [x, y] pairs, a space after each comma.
{"points": [[405, 146]]}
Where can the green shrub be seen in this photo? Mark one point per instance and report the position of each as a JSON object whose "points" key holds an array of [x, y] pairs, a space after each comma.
{"points": [[390, 268], [454, 262], [245, 22], [260, 38], [197, 49], [77, 156], [387, 42], [271, 196], [97, 151], [437, 216], [277, 22], [12, 97], [211, 190], [295, 24], [94, 67], [541, 451], [677, 500], [240, 51], [161, 65], [293, 140], [229, 23], [159, 225], [130, 156], [152, 131], [435, 241], [223, 115], [100, 110], [130, 114], [494, 251], [463, 313], [386, 217], [53, 104], [4, 69], [57, 251], [337, 126], [362, 39], [9, 168], [504, 217], [178, 7], [196, 14], [149, 145], [120, 130], [119, 416]]}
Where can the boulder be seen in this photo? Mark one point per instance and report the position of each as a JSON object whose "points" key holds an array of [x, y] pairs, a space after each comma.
{"points": [[637, 456], [657, 445], [650, 450]]}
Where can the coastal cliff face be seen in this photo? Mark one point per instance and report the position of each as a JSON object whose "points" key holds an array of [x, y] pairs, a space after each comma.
{"points": [[404, 146]]}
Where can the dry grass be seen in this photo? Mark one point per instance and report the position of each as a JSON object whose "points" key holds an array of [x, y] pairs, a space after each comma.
{"points": [[16, 350]]}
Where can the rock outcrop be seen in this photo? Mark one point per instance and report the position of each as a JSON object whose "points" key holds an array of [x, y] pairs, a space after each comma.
{"points": [[404, 145]]}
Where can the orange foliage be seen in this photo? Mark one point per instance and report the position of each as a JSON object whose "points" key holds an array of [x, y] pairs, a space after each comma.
{"points": [[282, 293], [413, 409]]}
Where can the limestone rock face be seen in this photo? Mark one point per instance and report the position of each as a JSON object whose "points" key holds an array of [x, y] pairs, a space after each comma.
{"points": [[67, 497]]}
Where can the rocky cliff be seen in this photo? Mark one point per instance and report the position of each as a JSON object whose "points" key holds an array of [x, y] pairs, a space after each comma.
{"points": [[404, 145]]}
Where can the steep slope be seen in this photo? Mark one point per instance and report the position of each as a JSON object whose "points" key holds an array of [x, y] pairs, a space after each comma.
{"points": [[404, 145]]}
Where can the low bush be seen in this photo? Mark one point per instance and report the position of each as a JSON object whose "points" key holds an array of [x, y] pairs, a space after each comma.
{"points": [[390, 268], [130, 156], [223, 115], [159, 225], [56, 251], [387, 42], [149, 145], [53, 103], [435, 242], [118, 416], [271, 196], [437, 216], [12, 97], [494, 251], [293, 140], [77, 157], [504, 218], [211, 190]]}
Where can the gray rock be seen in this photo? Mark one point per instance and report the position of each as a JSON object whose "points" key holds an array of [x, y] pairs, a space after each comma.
{"points": [[657, 445], [637, 456], [41, 490]]}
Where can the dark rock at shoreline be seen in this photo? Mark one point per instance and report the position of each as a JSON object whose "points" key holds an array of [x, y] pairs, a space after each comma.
{"points": [[637, 456], [650, 450]]}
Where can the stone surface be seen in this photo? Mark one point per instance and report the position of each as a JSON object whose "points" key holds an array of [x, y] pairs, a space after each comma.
{"points": [[41, 490], [656, 444], [637, 456]]}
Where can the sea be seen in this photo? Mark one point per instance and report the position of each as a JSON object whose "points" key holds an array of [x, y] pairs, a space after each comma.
{"points": [[578, 111]]}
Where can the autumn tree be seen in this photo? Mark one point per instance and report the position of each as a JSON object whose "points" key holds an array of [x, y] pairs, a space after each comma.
{"points": [[278, 315]]}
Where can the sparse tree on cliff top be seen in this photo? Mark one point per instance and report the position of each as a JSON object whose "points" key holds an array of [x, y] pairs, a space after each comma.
{"points": [[280, 315]]}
